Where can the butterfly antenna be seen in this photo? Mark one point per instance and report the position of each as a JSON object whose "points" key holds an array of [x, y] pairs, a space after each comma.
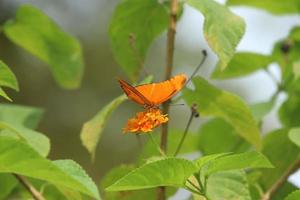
{"points": [[177, 104], [204, 53]]}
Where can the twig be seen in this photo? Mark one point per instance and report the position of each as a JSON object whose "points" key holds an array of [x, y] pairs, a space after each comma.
{"points": [[31, 189], [161, 193], [194, 113], [204, 53], [277, 185], [156, 145]]}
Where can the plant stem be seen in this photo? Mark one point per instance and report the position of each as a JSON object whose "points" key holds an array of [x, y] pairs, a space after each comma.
{"points": [[156, 145], [161, 193], [193, 114], [31, 189], [277, 185]]}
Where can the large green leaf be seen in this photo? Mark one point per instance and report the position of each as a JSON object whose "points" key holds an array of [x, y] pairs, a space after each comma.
{"points": [[17, 157], [242, 64], [238, 161], [17, 121], [7, 182], [294, 135], [38, 34], [117, 173], [273, 6], [259, 110], [21, 115], [284, 191], [92, 130], [7, 79], [281, 152], [230, 185], [217, 136], [134, 25], [290, 110], [222, 29], [293, 196], [212, 101], [165, 172]]}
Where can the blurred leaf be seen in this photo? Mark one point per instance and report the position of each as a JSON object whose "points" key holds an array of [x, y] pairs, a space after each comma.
{"points": [[165, 172], [286, 53], [217, 136], [230, 185], [38, 34], [242, 64], [283, 191], [134, 26], [294, 135], [293, 196], [117, 173], [238, 161], [222, 29], [15, 121], [212, 101], [296, 69], [21, 115], [281, 153], [7, 182], [259, 110], [290, 110], [7, 79], [273, 6], [190, 144], [17, 157], [91, 131]]}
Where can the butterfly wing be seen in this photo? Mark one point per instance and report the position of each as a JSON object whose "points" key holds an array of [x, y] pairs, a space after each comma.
{"points": [[157, 93], [133, 94]]}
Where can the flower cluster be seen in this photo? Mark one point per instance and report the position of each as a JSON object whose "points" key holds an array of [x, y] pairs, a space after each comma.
{"points": [[145, 121]]}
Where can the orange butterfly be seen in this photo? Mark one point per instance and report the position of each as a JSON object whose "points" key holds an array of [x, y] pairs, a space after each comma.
{"points": [[154, 94]]}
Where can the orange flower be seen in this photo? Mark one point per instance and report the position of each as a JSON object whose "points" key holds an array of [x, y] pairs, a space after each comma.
{"points": [[146, 121]]}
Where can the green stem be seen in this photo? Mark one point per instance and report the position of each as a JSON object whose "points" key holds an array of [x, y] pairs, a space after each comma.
{"points": [[156, 145], [193, 114]]}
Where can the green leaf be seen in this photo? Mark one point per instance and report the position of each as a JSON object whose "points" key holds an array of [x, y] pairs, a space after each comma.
{"points": [[272, 6], [17, 157], [281, 152], [238, 161], [117, 173], [8, 182], [217, 136], [165, 172], [21, 115], [259, 110], [294, 135], [92, 130], [293, 196], [16, 121], [212, 101], [290, 110], [242, 64], [208, 159], [7, 79], [134, 25], [284, 191], [222, 29], [38, 34], [228, 186]]}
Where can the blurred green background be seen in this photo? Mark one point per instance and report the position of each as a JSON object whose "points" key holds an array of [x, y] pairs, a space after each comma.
{"points": [[66, 111]]}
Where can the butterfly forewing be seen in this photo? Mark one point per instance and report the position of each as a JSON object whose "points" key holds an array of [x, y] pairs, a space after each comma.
{"points": [[132, 93], [158, 93]]}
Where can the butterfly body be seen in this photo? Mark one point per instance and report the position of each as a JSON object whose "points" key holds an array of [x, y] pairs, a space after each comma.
{"points": [[153, 94]]}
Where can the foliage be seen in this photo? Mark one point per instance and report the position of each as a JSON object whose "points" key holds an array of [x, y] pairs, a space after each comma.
{"points": [[232, 160]]}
